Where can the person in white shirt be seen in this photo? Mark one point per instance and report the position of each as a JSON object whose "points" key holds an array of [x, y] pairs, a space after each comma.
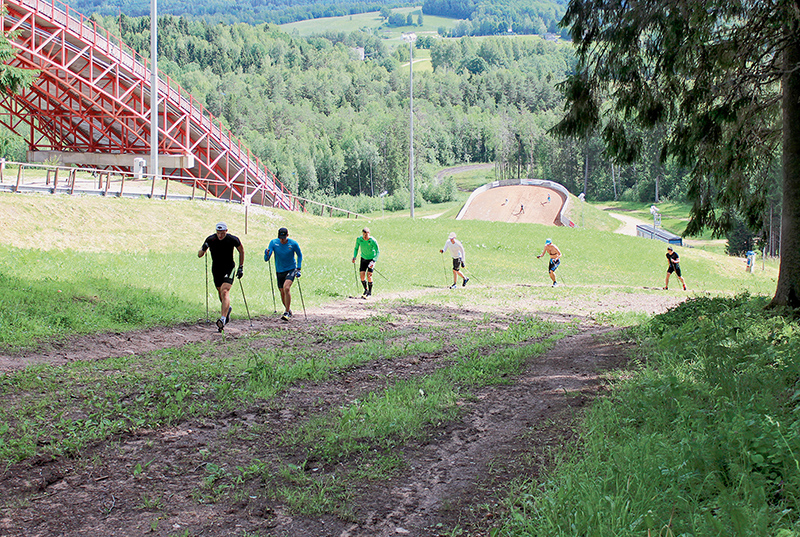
{"points": [[456, 249]]}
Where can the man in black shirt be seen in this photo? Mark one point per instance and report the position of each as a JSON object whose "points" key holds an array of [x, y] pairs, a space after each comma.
{"points": [[222, 245], [674, 266]]}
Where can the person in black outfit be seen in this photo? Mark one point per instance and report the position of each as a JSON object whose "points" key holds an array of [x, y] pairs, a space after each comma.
{"points": [[674, 266], [221, 245]]}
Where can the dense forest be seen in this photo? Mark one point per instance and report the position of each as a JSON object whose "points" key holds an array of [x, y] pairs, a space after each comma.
{"points": [[232, 11], [329, 123], [499, 17], [484, 17]]}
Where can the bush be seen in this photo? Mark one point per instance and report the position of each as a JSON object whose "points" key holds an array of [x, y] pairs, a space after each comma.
{"points": [[440, 191], [361, 204], [740, 238]]}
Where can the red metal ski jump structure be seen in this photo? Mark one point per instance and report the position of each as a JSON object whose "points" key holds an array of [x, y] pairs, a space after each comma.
{"points": [[91, 105]]}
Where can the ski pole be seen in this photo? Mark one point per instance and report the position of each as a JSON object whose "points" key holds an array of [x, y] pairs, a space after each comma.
{"points": [[300, 288], [472, 275], [444, 268], [245, 302], [208, 319], [272, 286], [380, 274], [355, 273]]}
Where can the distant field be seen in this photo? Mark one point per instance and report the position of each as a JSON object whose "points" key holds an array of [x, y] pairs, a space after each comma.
{"points": [[370, 22]]}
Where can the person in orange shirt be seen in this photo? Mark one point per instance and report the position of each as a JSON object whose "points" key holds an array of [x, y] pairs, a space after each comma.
{"points": [[555, 259]]}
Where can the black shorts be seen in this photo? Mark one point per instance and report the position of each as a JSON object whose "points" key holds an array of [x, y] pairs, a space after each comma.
{"points": [[365, 265], [283, 276], [457, 263], [676, 268], [222, 277], [554, 263]]}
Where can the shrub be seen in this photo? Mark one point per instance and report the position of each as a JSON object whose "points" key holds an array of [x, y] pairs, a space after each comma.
{"points": [[440, 191]]}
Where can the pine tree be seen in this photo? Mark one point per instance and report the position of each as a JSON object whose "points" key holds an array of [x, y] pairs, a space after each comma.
{"points": [[723, 76]]}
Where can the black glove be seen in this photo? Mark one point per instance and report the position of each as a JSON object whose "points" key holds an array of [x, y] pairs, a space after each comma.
{"points": [[297, 273], [240, 272]]}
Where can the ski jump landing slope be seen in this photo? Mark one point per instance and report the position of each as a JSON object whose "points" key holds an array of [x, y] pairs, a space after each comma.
{"points": [[531, 201]]}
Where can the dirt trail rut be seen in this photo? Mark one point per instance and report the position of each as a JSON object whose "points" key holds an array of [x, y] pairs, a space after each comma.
{"points": [[454, 477]]}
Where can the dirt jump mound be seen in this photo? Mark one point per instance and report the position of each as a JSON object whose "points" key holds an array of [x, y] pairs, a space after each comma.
{"points": [[531, 201]]}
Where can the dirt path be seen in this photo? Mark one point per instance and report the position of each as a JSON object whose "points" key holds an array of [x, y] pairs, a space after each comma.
{"points": [[628, 225], [454, 477], [464, 168]]}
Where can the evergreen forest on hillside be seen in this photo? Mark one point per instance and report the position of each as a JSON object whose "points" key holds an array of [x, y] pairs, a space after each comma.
{"points": [[481, 17], [329, 124]]}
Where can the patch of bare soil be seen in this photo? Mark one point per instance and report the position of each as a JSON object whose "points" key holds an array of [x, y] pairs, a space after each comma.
{"points": [[151, 482], [517, 203]]}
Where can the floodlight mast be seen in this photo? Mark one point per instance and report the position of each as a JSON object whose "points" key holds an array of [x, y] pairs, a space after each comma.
{"points": [[410, 38], [154, 89]]}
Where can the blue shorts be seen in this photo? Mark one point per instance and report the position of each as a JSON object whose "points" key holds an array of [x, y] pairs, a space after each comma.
{"points": [[554, 263]]}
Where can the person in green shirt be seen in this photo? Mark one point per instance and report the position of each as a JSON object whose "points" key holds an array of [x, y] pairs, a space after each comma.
{"points": [[369, 255]]}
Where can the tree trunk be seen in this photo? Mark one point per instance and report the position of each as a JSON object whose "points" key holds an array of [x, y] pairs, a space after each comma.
{"points": [[788, 289], [586, 169], [614, 181], [657, 176]]}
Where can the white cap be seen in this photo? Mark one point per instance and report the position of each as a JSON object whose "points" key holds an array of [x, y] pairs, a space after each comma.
{"points": [[222, 226], [452, 235]]}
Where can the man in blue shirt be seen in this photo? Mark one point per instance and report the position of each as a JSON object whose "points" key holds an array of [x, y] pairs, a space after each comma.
{"points": [[286, 270]]}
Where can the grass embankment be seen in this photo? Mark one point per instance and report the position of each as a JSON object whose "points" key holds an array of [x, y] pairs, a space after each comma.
{"points": [[701, 438], [85, 265]]}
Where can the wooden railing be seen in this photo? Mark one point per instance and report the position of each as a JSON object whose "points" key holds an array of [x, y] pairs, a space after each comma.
{"points": [[42, 178]]}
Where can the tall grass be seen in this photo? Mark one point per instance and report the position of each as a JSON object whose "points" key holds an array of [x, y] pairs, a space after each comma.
{"points": [[703, 439]]}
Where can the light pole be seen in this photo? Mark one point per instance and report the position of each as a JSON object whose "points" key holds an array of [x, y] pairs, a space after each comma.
{"points": [[410, 38], [154, 89]]}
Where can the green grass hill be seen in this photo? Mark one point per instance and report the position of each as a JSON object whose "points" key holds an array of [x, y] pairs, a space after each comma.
{"points": [[130, 263]]}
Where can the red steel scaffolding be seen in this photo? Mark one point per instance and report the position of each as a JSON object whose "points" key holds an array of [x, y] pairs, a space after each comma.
{"points": [[93, 96]]}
